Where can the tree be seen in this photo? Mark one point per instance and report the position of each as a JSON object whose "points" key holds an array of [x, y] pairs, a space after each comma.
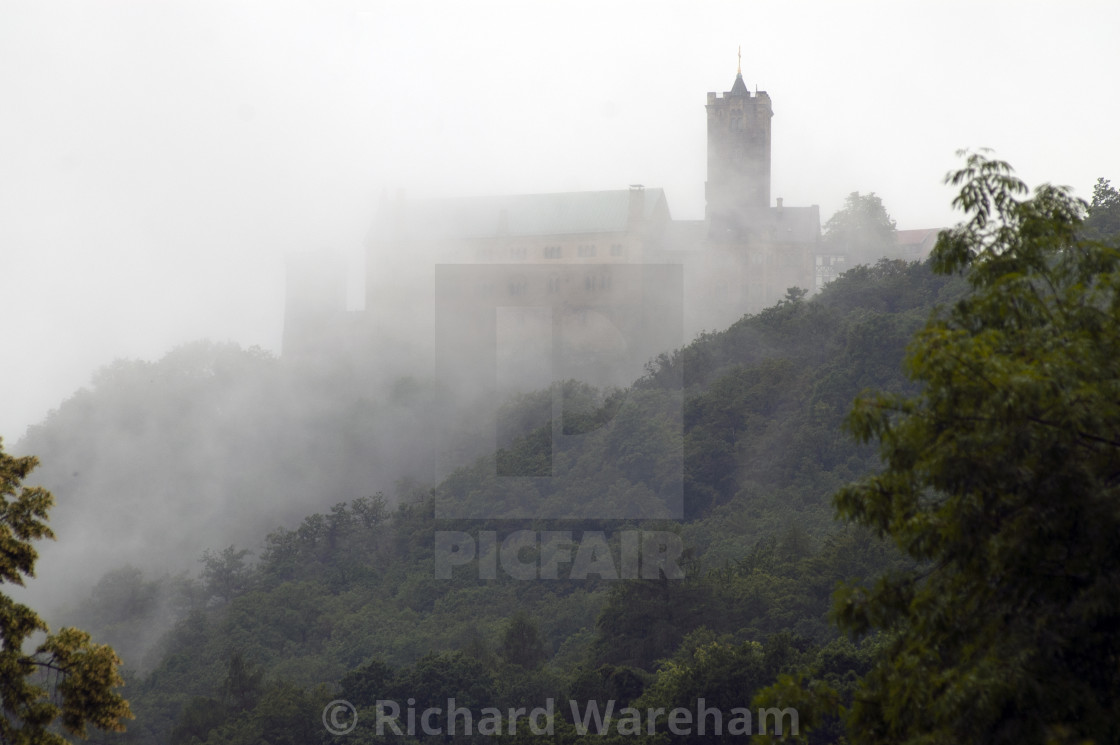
{"points": [[521, 642], [1103, 221], [225, 574], [1001, 480], [725, 675], [435, 678], [67, 679], [242, 687], [862, 229], [200, 717]]}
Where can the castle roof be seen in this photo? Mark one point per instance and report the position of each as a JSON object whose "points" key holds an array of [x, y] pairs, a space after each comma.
{"points": [[795, 224], [523, 214], [739, 88], [916, 237], [916, 244]]}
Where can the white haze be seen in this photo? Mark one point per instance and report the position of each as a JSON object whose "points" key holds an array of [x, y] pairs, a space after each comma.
{"points": [[158, 162]]}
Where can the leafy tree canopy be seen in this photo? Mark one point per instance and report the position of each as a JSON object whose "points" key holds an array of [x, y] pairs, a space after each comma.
{"points": [[1103, 221], [1001, 479], [68, 679], [861, 228], [521, 642]]}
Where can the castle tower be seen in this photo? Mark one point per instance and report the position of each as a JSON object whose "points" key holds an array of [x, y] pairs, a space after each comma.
{"points": [[738, 187]]}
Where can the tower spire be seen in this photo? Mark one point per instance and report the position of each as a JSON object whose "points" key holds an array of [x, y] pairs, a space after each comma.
{"points": [[739, 88]]}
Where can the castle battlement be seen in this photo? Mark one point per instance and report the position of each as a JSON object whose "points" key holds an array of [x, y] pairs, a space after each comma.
{"points": [[727, 96]]}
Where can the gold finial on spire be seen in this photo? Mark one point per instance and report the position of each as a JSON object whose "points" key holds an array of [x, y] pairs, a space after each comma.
{"points": [[739, 68]]}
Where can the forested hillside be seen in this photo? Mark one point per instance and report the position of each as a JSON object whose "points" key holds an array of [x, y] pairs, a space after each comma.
{"points": [[974, 571], [346, 604], [212, 445]]}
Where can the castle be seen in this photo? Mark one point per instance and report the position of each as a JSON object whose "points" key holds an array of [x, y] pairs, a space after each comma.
{"points": [[576, 252]]}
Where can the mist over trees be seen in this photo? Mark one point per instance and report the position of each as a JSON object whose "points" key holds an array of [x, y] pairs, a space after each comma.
{"points": [[345, 602], [1103, 219], [209, 446], [861, 229], [68, 682], [284, 522]]}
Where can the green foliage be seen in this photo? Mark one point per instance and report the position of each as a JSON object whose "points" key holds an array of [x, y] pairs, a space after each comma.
{"points": [[722, 673], [216, 443], [1103, 220], [437, 677], [521, 642], [364, 685], [129, 612], [1001, 480], [995, 617], [225, 575], [347, 597], [284, 715], [200, 717], [862, 228], [243, 683], [609, 683], [68, 679], [642, 621]]}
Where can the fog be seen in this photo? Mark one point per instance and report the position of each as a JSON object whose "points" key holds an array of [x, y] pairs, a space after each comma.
{"points": [[159, 164], [158, 161]]}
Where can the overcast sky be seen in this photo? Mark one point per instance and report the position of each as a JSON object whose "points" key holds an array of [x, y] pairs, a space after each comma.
{"points": [[159, 159]]}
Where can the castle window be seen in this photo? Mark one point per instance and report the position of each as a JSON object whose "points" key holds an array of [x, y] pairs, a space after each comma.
{"points": [[586, 251], [554, 284], [517, 252], [616, 249], [517, 286], [591, 282], [553, 252]]}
